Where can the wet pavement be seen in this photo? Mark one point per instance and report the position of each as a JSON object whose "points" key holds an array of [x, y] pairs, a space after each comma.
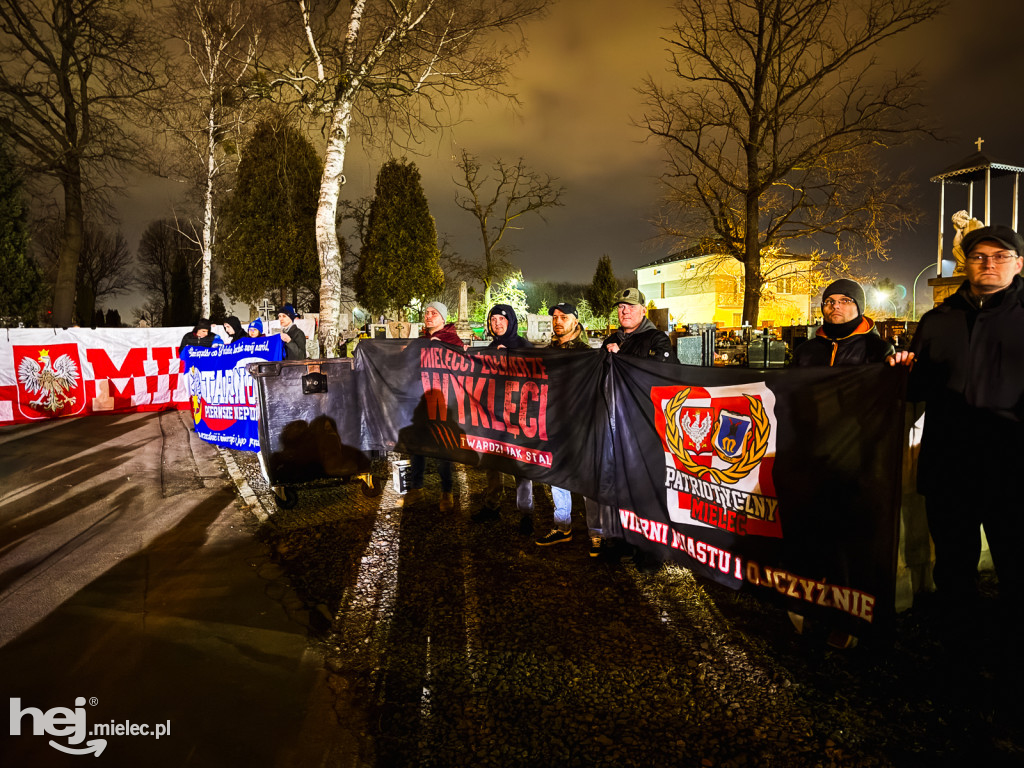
{"points": [[132, 592]]}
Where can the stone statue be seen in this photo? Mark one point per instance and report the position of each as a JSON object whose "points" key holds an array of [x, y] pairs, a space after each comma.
{"points": [[962, 223]]}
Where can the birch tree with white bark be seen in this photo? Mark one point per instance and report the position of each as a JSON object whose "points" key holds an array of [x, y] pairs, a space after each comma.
{"points": [[387, 69], [207, 106]]}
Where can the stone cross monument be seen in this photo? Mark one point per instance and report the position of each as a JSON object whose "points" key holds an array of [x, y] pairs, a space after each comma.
{"points": [[462, 324]]}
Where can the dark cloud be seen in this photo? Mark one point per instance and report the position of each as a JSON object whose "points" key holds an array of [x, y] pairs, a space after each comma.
{"points": [[578, 101]]}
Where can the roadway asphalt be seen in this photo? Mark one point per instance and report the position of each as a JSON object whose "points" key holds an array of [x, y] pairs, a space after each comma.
{"points": [[129, 577]]}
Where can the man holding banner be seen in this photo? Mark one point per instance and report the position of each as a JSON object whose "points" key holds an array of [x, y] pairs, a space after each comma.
{"points": [[968, 368], [637, 337]]}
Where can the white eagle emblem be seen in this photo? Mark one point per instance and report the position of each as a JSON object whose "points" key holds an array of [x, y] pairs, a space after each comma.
{"points": [[50, 380]]}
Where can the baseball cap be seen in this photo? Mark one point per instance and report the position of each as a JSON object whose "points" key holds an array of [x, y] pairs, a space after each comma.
{"points": [[999, 233], [566, 309], [630, 296]]}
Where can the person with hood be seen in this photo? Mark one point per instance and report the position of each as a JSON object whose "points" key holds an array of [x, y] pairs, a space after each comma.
{"points": [[292, 336], [201, 335], [255, 329], [436, 330], [233, 328], [846, 337], [503, 326], [967, 359], [568, 334]]}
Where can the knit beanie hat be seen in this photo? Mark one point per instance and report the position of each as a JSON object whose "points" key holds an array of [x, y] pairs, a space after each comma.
{"points": [[846, 288], [441, 308]]}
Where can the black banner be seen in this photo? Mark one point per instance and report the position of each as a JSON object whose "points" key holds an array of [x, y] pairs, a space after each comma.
{"points": [[782, 482]]}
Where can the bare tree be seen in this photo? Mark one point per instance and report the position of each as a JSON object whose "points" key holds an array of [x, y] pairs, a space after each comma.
{"points": [[389, 67], [497, 204], [170, 274], [70, 73], [105, 265], [206, 106], [772, 133]]}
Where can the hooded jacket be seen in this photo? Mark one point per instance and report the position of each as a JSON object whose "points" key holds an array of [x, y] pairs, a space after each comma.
{"points": [[969, 371], [237, 334], [860, 347], [445, 334], [646, 342], [510, 339], [191, 340]]}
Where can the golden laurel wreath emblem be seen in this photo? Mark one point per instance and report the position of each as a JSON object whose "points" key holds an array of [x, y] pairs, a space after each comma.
{"points": [[739, 468]]}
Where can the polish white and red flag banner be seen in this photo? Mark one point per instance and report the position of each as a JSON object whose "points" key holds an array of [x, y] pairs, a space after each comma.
{"points": [[48, 373]]}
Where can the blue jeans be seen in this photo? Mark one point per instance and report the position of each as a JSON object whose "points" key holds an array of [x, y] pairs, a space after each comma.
{"points": [[418, 465], [495, 486], [563, 511]]}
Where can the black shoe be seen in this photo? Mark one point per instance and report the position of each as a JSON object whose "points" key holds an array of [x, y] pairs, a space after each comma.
{"points": [[595, 546], [485, 515], [555, 536], [526, 525]]}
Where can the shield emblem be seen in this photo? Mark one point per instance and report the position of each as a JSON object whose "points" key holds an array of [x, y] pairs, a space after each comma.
{"points": [[50, 381], [696, 424], [731, 434]]}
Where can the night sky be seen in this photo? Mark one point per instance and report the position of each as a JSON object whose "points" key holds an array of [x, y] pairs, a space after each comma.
{"points": [[578, 100]]}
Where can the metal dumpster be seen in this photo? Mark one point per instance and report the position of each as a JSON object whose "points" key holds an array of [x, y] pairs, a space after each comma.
{"points": [[305, 409]]}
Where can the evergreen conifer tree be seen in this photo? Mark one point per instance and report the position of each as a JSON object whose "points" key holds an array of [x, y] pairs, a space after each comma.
{"points": [[21, 284], [400, 260], [267, 232]]}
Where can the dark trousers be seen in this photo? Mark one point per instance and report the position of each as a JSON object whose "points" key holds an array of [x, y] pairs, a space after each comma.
{"points": [[954, 519]]}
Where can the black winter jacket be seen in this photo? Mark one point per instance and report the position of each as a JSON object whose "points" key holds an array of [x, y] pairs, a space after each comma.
{"points": [[969, 370], [646, 342], [862, 346]]}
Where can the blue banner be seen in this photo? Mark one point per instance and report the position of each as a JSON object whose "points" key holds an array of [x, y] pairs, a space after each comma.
{"points": [[223, 394]]}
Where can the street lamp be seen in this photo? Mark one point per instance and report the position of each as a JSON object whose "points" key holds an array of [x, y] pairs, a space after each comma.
{"points": [[913, 311], [883, 296]]}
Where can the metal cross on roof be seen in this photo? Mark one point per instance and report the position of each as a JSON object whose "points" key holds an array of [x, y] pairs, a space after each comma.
{"points": [[979, 142]]}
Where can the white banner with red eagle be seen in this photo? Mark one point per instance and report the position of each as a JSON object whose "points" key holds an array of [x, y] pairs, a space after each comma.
{"points": [[48, 373]]}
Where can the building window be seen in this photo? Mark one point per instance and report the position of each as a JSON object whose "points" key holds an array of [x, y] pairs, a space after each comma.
{"points": [[784, 285]]}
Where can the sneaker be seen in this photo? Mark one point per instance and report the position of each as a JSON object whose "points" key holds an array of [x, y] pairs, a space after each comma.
{"points": [[485, 515], [526, 524], [555, 536], [447, 501], [411, 498], [595, 546]]}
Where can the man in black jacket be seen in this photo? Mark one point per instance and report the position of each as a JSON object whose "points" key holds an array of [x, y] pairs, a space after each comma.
{"points": [[846, 337], [637, 336], [292, 336], [968, 367]]}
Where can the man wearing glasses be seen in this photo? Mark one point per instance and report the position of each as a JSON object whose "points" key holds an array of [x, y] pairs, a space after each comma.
{"points": [[846, 337], [967, 361]]}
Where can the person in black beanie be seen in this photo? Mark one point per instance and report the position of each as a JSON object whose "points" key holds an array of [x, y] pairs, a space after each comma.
{"points": [[292, 336], [846, 337]]}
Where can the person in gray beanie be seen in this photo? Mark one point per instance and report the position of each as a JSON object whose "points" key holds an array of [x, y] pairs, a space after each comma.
{"points": [[846, 336], [436, 329]]}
